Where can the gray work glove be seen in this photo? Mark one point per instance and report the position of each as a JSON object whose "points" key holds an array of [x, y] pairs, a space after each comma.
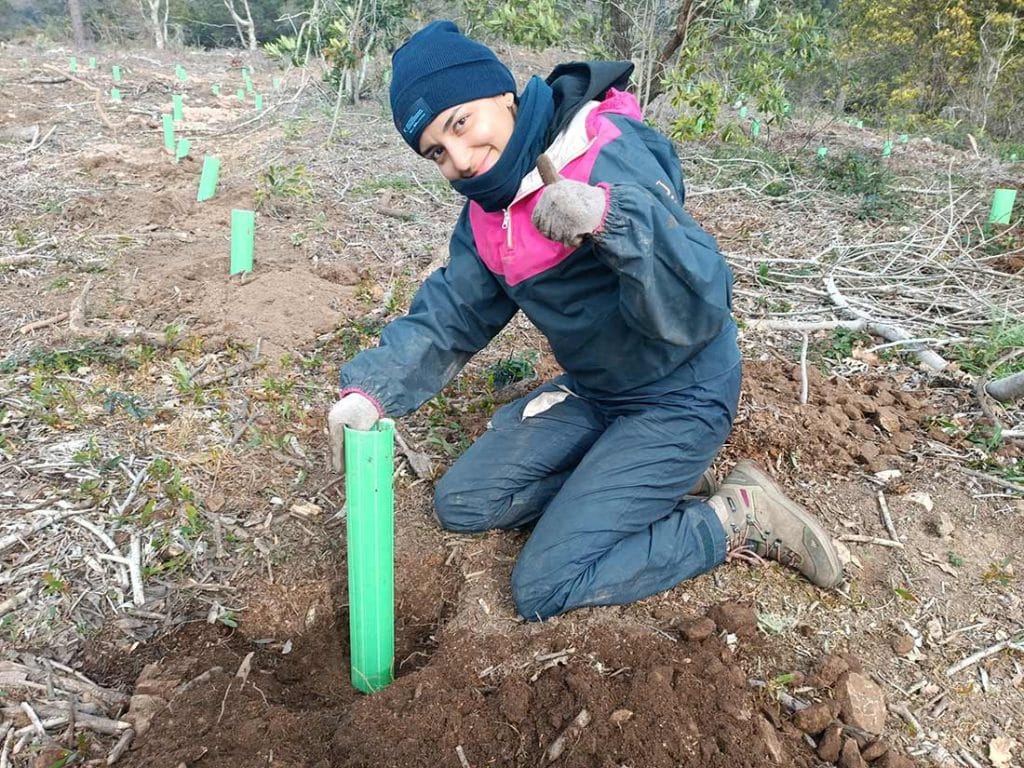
{"points": [[568, 211], [353, 411]]}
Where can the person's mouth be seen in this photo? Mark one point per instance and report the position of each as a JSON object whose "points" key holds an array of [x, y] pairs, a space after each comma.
{"points": [[486, 164]]}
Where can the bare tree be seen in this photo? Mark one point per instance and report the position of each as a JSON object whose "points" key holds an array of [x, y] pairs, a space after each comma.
{"points": [[638, 34], [77, 27], [996, 56], [243, 23], [157, 21]]}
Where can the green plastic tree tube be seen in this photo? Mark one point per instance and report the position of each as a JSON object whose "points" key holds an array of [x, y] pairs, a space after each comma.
{"points": [[115, 72], [215, 89], [181, 151], [208, 178], [755, 128], [743, 113], [240, 93], [178, 107], [115, 94], [72, 64], [369, 459], [1002, 206], [180, 72], [822, 152], [904, 138], [92, 62], [887, 148], [257, 101], [168, 133], [243, 240]]}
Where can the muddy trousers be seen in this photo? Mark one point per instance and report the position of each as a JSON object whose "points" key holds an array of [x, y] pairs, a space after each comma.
{"points": [[603, 486]]}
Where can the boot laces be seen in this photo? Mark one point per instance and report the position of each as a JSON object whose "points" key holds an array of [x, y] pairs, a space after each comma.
{"points": [[753, 543]]}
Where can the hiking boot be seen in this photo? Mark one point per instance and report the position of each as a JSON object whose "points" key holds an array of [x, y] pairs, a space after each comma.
{"points": [[706, 485], [762, 519]]}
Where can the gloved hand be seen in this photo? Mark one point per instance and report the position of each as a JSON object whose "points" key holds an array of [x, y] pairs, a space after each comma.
{"points": [[353, 411], [568, 211]]}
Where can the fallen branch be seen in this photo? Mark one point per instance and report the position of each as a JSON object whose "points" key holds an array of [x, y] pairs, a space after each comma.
{"points": [[1008, 388], [858, 538], [887, 518], [77, 323], [121, 746], [18, 259], [557, 747], [14, 601], [885, 330], [994, 480], [37, 324], [803, 371], [419, 462], [992, 650], [11, 539], [907, 716]]}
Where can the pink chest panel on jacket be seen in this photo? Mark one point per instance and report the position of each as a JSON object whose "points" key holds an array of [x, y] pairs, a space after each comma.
{"points": [[507, 241]]}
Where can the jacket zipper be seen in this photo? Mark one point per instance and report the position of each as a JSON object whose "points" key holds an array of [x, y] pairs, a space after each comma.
{"points": [[506, 224]]}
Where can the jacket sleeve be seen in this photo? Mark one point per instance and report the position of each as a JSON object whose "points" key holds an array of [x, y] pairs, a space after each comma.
{"points": [[673, 282], [455, 313]]}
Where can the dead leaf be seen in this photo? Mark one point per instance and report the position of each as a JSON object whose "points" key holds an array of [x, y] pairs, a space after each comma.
{"points": [[619, 716], [974, 145], [922, 499], [306, 509], [859, 353], [942, 565], [1000, 751], [215, 502]]}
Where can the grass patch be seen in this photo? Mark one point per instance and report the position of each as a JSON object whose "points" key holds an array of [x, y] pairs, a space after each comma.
{"points": [[978, 356], [856, 175]]}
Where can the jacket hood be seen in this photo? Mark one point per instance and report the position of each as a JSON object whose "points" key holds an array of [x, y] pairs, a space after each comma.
{"points": [[576, 83]]}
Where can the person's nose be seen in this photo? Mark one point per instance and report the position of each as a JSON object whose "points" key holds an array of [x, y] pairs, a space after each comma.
{"points": [[461, 158]]}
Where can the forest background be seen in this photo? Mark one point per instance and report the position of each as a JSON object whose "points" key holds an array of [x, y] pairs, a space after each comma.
{"points": [[951, 68]]}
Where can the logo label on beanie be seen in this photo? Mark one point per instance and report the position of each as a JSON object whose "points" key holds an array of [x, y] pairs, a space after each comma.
{"points": [[420, 113]]}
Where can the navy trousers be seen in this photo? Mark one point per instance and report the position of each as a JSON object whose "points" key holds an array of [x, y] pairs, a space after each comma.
{"points": [[603, 484]]}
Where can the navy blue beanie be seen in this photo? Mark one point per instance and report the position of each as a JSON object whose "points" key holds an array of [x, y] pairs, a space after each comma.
{"points": [[437, 68]]}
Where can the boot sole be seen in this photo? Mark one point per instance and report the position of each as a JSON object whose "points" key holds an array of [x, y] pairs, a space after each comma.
{"points": [[772, 490]]}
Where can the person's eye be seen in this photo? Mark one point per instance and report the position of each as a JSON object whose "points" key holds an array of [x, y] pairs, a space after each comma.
{"points": [[435, 154], [461, 122]]}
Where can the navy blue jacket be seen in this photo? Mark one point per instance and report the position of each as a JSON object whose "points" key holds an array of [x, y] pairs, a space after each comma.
{"points": [[640, 309]]}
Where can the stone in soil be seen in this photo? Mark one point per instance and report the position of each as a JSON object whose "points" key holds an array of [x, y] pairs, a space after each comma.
{"points": [[698, 629], [772, 747], [893, 759], [733, 617], [850, 756], [829, 670], [874, 750], [862, 703], [814, 719], [831, 743], [903, 645]]}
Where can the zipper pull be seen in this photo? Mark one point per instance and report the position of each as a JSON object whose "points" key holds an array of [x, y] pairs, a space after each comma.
{"points": [[506, 224]]}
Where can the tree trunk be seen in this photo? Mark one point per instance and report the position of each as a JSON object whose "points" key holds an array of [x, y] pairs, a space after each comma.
{"points": [[77, 27], [620, 24], [683, 19], [248, 36], [159, 25]]}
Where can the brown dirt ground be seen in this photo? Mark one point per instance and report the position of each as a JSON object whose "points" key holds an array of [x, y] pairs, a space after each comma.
{"points": [[471, 676]]}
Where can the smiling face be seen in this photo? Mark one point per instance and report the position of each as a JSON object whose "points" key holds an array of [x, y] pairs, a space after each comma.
{"points": [[466, 140]]}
